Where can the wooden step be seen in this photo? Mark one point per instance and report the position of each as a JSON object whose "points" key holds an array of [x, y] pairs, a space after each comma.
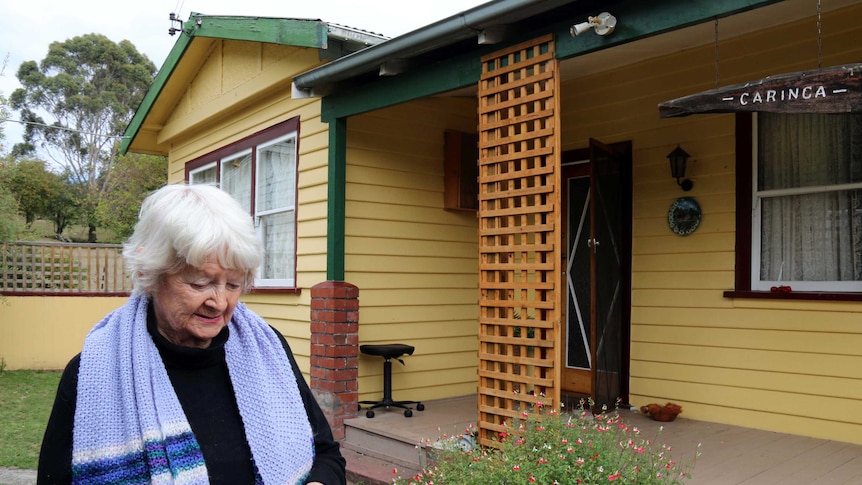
{"points": [[390, 447], [374, 447], [367, 470]]}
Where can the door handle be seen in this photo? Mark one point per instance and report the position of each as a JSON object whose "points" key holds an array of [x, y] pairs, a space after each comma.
{"points": [[593, 243]]}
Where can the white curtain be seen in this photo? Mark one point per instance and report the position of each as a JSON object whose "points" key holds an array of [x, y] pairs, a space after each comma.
{"points": [[204, 176], [236, 179], [810, 235], [274, 206]]}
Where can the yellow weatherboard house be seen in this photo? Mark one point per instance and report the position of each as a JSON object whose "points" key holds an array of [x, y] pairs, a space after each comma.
{"points": [[501, 190]]}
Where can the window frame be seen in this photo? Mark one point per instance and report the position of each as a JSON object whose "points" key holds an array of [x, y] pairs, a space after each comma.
{"points": [[259, 213], [745, 179], [252, 144]]}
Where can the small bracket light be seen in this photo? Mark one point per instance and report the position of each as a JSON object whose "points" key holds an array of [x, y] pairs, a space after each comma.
{"points": [[603, 24]]}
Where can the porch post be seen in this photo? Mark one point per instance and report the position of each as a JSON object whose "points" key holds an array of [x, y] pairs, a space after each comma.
{"points": [[335, 351]]}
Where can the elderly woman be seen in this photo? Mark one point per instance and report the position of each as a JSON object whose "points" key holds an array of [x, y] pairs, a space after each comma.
{"points": [[184, 384]]}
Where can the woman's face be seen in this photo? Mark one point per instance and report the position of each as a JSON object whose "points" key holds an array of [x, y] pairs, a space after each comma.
{"points": [[192, 306]]}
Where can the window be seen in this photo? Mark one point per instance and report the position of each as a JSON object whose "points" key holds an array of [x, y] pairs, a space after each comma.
{"points": [[806, 202], [204, 175], [460, 171], [260, 172]]}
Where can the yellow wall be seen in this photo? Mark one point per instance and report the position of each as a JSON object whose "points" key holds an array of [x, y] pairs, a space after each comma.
{"points": [[241, 89], [44, 332], [404, 252], [415, 264], [790, 366]]}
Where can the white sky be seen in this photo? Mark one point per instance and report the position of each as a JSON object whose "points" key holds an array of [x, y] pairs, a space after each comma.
{"points": [[27, 27]]}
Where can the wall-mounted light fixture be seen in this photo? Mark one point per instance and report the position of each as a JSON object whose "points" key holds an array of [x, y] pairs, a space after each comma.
{"points": [[678, 158], [602, 23]]}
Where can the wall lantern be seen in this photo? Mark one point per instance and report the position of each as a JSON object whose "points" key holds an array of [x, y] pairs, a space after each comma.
{"points": [[602, 24], [678, 158]]}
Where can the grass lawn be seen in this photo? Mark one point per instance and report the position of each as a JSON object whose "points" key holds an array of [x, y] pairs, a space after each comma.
{"points": [[43, 230], [26, 398]]}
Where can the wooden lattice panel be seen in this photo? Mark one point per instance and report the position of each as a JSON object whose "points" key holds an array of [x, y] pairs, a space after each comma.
{"points": [[519, 232]]}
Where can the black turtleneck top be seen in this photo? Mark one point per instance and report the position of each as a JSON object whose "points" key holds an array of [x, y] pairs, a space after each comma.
{"points": [[202, 383]]}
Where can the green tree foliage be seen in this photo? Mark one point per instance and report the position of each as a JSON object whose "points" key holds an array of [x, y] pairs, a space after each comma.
{"points": [[64, 206], [33, 185], [9, 226], [89, 88], [130, 180]]}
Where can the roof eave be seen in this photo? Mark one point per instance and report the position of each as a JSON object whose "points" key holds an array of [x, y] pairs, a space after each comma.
{"points": [[457, 27]]}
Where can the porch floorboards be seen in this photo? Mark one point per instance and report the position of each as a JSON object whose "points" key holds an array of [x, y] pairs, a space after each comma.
{"points": [[729, 454]]}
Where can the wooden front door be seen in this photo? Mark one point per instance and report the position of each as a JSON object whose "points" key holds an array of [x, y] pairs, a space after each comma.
{"points": [[596, 204]]}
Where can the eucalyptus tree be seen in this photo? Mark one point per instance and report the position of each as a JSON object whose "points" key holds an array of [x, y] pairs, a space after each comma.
{"points": [[76, 103]]}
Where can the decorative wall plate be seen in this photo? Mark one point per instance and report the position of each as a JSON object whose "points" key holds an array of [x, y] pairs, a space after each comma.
{"points": [[684, 216]]}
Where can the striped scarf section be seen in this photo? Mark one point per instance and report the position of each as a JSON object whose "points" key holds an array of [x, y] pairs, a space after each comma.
{"points": [[130, 428]]}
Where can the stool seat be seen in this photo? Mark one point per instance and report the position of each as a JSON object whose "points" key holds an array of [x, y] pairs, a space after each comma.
{"points": [[389, 352]]}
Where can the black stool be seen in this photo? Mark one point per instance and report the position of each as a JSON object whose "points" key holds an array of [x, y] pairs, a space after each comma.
{"points": [[389, 352]]}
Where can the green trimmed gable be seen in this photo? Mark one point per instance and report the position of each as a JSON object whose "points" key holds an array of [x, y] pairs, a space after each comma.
{"points": [[313, 34]]}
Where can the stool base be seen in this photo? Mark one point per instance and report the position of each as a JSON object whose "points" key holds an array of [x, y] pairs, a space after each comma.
{"points": [[405, 405], [388, 352]]}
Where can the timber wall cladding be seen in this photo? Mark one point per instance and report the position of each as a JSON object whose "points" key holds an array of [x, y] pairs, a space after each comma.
{"points": [[519, 241]]}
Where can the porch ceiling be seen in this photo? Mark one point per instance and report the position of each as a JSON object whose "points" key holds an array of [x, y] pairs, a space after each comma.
{"points": [[697, 36], [686, 38]]}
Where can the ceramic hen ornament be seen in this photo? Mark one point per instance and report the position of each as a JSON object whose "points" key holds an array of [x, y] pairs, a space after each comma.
{"points": [[665, 413]]}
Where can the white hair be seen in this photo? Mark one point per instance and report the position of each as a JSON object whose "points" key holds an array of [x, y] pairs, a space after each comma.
{"points": [[187, 225]]}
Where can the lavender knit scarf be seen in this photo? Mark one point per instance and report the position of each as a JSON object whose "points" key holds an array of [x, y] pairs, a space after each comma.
{"points": [[130, 427]]}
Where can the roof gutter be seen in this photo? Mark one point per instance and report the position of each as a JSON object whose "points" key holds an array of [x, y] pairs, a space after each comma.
{"points": [[446, 31]]}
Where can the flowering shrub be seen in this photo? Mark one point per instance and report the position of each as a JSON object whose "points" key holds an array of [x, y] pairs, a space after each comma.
{"points": [[558, 448]]}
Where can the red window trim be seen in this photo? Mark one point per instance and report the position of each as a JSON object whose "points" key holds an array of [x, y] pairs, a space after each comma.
{"points": [[251, 142]]}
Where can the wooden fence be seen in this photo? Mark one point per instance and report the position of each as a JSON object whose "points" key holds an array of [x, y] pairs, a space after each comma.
{"points": [[37, 268]]}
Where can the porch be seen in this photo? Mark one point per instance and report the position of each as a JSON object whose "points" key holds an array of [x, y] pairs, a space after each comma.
{"points": [[729, 454]]}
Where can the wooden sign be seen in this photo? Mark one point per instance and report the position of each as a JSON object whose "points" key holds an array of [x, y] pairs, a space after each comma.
{"points": [[831, 90]]}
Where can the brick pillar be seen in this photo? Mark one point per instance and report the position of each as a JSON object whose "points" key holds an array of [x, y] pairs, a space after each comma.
{"points": [[335, 351]]}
